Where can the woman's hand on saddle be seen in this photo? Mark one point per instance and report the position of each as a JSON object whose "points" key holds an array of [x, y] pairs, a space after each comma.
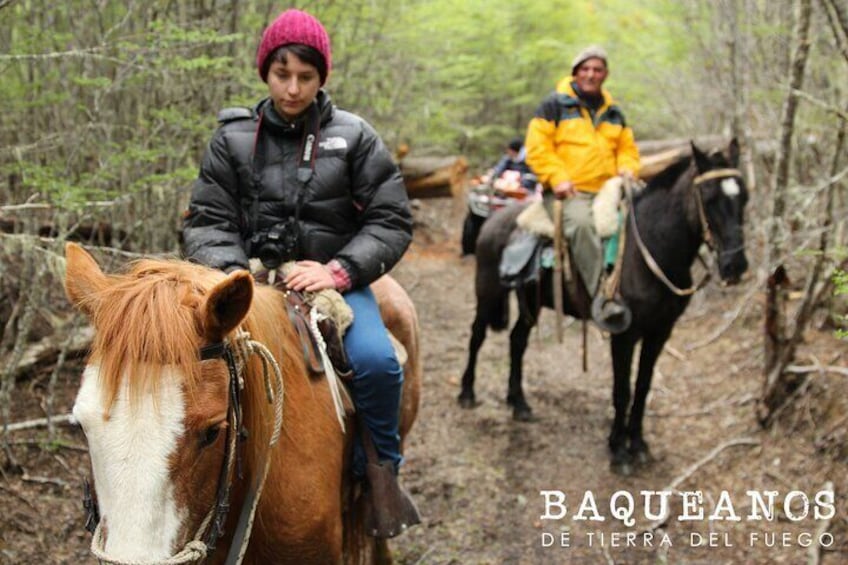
{"points": [[311, 276], [565, 189]]}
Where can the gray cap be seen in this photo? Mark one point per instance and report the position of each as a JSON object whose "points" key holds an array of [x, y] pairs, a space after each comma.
{"points": [[591, 52]]}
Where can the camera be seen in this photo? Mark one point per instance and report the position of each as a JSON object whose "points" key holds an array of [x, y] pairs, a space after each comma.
{"points": [[276, 245]]}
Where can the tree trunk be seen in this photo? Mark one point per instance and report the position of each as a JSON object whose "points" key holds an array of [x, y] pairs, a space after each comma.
{"points": [[775, 244], [837, 17], [780, 350]]}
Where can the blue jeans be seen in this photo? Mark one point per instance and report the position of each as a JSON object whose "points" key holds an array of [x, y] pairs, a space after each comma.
{"points": [[377, 381]]}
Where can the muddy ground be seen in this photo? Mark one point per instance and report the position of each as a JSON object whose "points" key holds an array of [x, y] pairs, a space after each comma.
{"points": [[477, 475]]}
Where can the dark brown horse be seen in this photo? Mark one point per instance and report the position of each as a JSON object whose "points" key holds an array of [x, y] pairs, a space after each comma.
{"points": [[196, 398], [697, 199]]}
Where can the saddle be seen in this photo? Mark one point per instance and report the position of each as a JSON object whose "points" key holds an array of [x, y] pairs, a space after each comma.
{"points": [[529, 252], [531, 243], [523, 259], [332, 317]]}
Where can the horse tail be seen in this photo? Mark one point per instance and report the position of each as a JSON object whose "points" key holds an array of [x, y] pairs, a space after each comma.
{"points": [[495, 313], [492, 297]]}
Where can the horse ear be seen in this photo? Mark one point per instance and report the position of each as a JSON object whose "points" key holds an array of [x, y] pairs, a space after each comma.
{"points": [[84, 280], [702, 161], [733, 152], [227, 304]]}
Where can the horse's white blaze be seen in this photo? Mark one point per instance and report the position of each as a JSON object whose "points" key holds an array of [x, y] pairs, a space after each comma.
{"points": [[730, 187], [129, 455]]}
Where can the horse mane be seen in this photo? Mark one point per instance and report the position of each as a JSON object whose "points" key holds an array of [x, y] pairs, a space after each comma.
{"points": [[666, 178], [149, 318]]}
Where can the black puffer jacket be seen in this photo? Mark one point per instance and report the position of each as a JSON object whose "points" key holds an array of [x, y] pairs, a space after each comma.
{"points": [[355, 208]]}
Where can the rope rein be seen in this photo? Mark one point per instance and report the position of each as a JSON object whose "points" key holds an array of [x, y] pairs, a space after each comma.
{"points": [[242, 347], [646, 254]]}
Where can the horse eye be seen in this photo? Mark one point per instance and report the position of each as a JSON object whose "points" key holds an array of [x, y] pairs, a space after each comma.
{"points": [[210, 435], [77, 426]]}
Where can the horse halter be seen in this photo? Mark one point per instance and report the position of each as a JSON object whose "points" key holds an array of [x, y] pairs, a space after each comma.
{"points": [[235, 351], [706, 232], [715, 174]]}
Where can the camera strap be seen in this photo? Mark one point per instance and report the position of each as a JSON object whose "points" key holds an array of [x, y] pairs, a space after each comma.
{"points": [[255, 169], [308, 153], [306, 164]]}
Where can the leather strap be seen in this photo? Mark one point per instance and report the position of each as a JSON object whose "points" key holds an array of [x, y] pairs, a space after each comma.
{"points": [[298, 310], [717, 174]]}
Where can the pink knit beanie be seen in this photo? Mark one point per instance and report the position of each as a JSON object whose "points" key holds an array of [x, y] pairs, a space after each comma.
{"points": [[293, 26]]}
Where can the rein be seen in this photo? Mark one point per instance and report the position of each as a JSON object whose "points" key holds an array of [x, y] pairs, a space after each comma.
{"points": [[706, 233], [235, 352]]}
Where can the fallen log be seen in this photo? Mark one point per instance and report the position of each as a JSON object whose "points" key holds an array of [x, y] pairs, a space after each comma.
{"points": [[651, 165], [704, 142], [430, 177], [47, 350]]}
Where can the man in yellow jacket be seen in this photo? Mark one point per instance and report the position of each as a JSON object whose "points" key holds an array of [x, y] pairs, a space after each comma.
{"points": [[576, 141]]}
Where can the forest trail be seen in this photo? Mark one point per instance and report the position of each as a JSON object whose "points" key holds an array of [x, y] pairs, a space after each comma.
{"points": [[477, 476]]}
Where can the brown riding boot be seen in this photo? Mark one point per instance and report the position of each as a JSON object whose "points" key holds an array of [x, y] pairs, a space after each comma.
{"points": [[389, 509]]}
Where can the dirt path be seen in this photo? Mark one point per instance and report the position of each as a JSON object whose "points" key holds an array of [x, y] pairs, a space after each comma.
{"points": [[477, 475]]}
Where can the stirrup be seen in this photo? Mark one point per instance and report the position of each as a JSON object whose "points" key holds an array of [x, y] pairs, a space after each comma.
{"points": [[611, 314], [389, 510]]}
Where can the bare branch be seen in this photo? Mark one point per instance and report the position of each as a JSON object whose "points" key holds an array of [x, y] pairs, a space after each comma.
{"points": [[44, 481], [804, 369], [729, 320], [41, 422], [91, 52], [824, 105], [838, 15], [692, 469]]}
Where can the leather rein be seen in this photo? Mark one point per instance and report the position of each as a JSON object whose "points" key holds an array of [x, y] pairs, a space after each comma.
{"points": [[235, 352], [706, 232]]}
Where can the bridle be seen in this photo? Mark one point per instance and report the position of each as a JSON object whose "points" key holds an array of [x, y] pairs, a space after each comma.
{"points": [[235, 351], [715, 174], [706, 232]]}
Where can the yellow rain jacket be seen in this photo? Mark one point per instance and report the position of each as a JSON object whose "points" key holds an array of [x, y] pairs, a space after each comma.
{"points": [[565, 143]]}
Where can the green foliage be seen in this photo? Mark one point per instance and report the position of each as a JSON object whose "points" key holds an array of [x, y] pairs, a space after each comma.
{"points": [[106, 99], [840, 283]]}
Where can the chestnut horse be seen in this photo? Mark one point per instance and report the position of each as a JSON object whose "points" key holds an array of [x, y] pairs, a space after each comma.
{"points": [[195, 388]]}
